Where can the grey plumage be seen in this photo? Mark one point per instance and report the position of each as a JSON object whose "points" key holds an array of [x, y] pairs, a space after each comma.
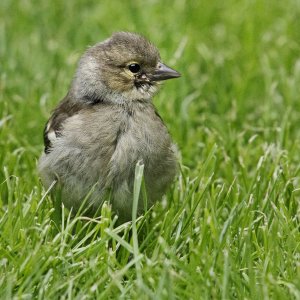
{"points": [[106, 124]]}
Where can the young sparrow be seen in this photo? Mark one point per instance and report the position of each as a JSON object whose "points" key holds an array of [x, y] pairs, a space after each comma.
{"points": [[106, 124]]}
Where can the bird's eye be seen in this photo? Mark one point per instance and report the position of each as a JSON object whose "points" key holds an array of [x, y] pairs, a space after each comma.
{"points": [[134, 67]]}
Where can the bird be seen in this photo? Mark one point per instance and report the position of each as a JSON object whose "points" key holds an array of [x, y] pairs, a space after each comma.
{"points": [[106, 124]]}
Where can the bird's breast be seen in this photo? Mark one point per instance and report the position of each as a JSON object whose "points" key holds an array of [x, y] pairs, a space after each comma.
{"points": [[141, 136], [108, 142]]}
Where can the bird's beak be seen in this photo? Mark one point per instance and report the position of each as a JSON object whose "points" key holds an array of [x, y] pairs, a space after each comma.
{"points": [[164, 72]]}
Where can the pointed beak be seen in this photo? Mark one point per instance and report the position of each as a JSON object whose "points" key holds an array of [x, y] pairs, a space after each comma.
{"points": [[164, 72]]}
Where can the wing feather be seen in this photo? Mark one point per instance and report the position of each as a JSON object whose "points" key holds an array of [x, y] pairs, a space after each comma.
{"points": [[66, 109]]}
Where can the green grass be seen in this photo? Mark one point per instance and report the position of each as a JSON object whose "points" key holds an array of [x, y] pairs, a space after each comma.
{"points": [[229, 227]]}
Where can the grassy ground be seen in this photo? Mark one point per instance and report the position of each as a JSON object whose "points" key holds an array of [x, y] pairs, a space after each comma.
{"points": [[230, 225]]}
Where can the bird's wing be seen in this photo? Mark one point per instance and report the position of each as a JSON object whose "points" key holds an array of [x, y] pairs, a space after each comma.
{"points": [[66, 109]]}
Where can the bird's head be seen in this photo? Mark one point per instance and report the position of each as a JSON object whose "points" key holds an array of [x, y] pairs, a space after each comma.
{"points": [[124, 67]]}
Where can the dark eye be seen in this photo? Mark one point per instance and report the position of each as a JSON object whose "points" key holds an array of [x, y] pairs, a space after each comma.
{"points": [[134, 67]]}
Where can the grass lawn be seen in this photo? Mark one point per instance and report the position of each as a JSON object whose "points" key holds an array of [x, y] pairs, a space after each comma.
{"points": [[229, 226]]}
